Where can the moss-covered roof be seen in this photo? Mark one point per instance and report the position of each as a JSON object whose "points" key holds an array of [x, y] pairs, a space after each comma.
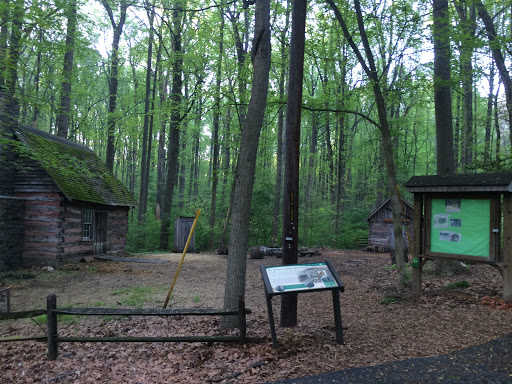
{"points": [[77, 170]]}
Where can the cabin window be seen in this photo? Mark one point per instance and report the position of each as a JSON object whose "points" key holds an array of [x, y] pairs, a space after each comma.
{"points": [[87, 224]]}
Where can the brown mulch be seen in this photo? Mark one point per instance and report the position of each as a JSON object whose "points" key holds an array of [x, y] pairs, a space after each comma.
{"points": [[443, 321]]}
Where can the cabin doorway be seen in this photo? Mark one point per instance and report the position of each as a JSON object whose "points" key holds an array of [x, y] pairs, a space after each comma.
{"points": [[100, 233]]}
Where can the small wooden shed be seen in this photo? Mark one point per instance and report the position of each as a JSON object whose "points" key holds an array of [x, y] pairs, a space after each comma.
{"points": [[381, 235], [59, 202], [182, 227]]}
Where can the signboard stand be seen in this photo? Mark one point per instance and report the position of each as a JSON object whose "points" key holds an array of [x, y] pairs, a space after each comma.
{"points": [[301, 278], [463, 217]]}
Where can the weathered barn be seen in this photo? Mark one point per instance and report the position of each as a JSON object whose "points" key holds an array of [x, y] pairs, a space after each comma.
{"points": [[381, 234], [58, 202]]}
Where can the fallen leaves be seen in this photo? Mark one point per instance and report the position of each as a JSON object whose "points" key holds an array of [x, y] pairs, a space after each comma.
{"points": [[495, 302], [439, 322]]}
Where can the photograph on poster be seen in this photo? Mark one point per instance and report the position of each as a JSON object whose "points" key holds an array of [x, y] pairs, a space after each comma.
{"points": [[456, 223], [449, 236], [441, 220], [300, 277], [452, 205]]}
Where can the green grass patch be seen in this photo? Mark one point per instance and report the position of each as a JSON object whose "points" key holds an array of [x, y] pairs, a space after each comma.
{"points": [[134, 296], [458, 284], [17, 279], [389, 300], [61, 319], [196, 299], [17, 275]]}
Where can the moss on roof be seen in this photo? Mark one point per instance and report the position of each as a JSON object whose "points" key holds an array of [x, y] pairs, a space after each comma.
{"points": [[77, 170]]}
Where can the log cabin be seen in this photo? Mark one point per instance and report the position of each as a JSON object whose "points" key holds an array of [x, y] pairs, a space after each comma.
{"points": [[381, 236], [58, 201]]}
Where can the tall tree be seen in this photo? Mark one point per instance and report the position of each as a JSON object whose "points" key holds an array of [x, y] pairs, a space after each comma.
{"points": [[216, 128], [498, 57], [370, 70], [64, 110], [146, 138], [274, 231], [467, 22], [292, 155], [244, 177], [442, 88], [117, 28], [173, 146], [11, 49]]}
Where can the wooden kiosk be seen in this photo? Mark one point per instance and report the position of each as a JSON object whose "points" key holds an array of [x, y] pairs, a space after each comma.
{"points": [[463, 217]]}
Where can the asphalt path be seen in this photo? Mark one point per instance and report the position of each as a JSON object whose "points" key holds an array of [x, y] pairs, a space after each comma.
{"points": [[489, 363]]}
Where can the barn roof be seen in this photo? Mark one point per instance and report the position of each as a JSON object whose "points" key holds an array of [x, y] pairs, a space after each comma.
{"points": [[77, 171], [384, 203], [477, 182]]}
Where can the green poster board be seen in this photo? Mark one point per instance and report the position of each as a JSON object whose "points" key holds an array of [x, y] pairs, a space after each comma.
{"points": [[461, 226]]}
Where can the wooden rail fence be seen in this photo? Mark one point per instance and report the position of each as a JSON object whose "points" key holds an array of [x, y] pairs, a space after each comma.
{"points": [[52, 337], [360, 242]]}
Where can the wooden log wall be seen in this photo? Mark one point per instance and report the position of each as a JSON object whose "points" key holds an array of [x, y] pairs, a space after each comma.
{"points": [[117, 229], [11, 230], [73, 247], [42, 230]]}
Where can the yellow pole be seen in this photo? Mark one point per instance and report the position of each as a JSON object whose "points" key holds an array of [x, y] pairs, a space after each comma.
{"points": [[182, 257]]}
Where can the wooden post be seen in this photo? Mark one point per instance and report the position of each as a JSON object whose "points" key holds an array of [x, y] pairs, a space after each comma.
{"points": [[337, 315], [417, 277], [418, 245], [292, 155], [507, 247], [242, 319], [51, 327], [271, 322]]}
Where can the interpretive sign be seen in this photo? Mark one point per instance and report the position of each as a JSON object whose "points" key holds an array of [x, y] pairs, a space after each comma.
{"points": [[298, 278], [463, 228], [463, 217]]}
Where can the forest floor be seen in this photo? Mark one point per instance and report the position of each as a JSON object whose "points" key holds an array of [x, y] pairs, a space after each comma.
{"points": [[380, 324]]}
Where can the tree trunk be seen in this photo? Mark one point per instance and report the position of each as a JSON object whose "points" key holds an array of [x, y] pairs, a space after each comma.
{"points": [[64, 112], [442, 89], [292, 155], [443, 109], [371, 71], [9, 65], [498, 130], [113, 80], [36, 81], [160, 168], [215, 133], [241, 43], [244, 177], [274, 232], [4, 38], [468, 27], [146, 154], [173, 146], [488, 118], [498, 59]]}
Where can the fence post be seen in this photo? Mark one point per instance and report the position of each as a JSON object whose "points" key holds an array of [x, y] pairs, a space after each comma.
{"points": [[51, 327], [242, 319]]}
